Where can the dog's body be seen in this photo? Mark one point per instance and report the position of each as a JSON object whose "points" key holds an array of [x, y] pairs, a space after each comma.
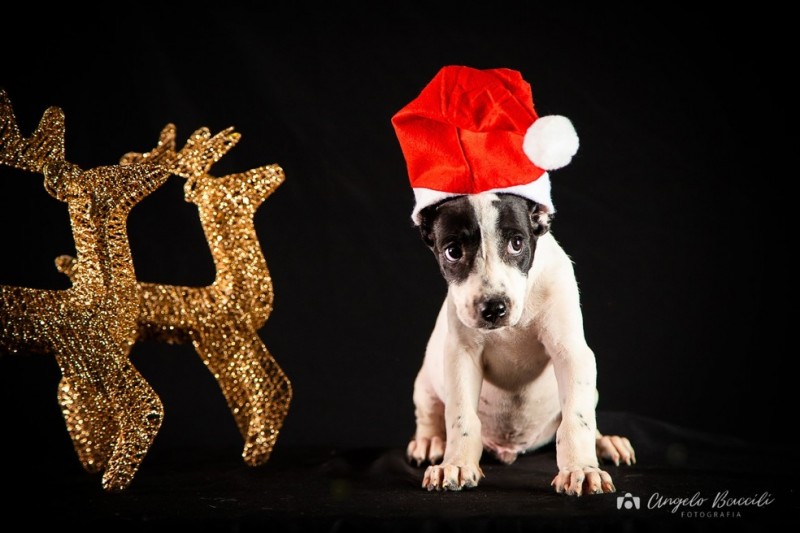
{"points": [[507, 367]]}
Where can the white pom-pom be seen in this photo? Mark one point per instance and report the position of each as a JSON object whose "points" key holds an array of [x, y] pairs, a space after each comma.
{"points": [[551, 142]]}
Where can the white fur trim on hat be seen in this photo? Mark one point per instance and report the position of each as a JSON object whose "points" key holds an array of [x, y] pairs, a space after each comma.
{"points": [[550, 142], [425, 197], [538, 191]]}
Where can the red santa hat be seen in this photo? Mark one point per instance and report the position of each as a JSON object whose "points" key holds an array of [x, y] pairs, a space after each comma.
{"points": [[471, 131]]}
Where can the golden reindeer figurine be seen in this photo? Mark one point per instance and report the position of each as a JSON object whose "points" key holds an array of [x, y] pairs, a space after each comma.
{"points": [[221, 320], [112, 413]]}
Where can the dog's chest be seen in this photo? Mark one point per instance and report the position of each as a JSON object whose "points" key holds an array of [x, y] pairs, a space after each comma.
{"points": [[519, 396], [513, 359]]}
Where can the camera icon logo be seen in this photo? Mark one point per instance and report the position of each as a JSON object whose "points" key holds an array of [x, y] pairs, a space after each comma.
{"points": [[629, 501]]}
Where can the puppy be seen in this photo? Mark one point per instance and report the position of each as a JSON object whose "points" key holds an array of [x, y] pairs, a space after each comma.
{"points": [[507, 368]]}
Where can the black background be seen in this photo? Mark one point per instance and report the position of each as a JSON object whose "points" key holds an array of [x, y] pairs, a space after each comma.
{"points": [[664, 209]]}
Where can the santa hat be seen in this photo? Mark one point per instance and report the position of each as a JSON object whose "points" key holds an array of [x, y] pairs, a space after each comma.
{"points": [[471, 131]]}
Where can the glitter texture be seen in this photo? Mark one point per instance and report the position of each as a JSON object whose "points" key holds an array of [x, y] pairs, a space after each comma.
{"points": [[221, 320], [111, 412]]}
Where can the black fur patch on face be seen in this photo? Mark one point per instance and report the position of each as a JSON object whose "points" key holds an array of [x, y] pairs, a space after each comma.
{"points": [[450, 229], [516, 230]]}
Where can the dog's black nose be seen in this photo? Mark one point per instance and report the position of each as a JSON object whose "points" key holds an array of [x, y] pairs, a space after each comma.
{"points": [[493, 310]]}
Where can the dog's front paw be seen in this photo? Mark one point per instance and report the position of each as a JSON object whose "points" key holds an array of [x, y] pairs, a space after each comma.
{"points": [[583, 480], [615, 449], [422, 449], [451, 477]]}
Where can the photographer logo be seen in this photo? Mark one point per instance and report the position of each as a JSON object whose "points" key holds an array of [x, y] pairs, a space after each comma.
{"points": [[722, 504], [629, 501]]}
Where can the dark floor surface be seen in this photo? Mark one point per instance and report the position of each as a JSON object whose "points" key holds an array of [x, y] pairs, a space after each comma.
{"points": [[327, 489]]}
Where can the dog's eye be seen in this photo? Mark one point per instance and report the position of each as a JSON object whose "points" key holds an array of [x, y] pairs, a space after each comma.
{"points": [[515, 245], [453, 253]]}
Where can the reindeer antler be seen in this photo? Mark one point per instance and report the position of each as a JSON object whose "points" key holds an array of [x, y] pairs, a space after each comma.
{"points": [[46, 145], [194, 159], [163, 153]]}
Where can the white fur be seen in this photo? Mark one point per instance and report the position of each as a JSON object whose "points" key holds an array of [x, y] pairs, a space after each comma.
{"points": [[492, 276], [506, 389]]}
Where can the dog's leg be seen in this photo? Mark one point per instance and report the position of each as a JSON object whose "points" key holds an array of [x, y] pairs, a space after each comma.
{"points": [[576, 454], [576, 374], [429, 438], [615, 449], [427, 445], [462, 385]]}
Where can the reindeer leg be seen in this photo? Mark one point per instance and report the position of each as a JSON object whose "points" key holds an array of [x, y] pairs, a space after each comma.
{"points": [[208, 345], [92, 429], [139, 412], [276, 392], [109, 387], [258, 393]]}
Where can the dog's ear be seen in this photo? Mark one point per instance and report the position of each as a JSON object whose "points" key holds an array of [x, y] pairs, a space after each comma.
{"points": [[426, 217], [540, 219]]}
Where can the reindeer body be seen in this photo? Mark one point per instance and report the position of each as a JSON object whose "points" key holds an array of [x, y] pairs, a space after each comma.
{"points": [[111, 412], [222, 320]]}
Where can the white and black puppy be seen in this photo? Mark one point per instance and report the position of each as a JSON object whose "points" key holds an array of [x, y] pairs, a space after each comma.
{"points": [[507, 367]]}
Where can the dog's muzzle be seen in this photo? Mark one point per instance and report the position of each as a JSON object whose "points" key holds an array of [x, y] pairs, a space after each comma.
{"points": [[494, 312]]}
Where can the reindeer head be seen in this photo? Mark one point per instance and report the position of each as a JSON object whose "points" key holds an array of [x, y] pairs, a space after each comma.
{"points": [[109, 188], [232, 195], [45, 147]]}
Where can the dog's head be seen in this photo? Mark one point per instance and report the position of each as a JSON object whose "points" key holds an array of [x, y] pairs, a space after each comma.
{"points": [[485, 244]]}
